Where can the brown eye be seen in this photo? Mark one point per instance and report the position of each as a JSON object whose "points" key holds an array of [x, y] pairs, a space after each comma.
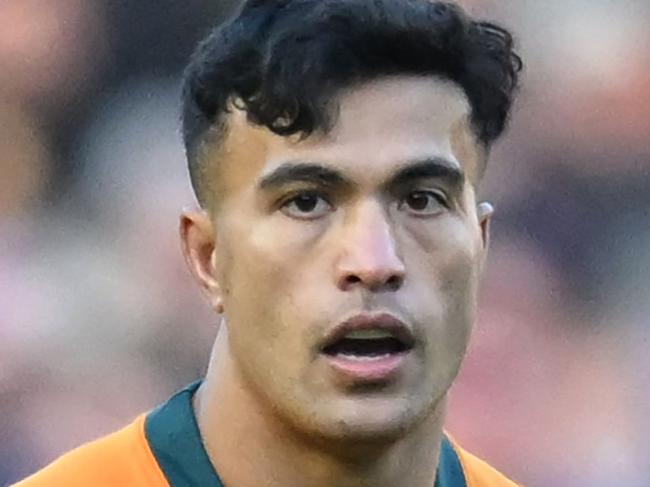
{"points": [[423, 203], [306, 206], [306, 203]]}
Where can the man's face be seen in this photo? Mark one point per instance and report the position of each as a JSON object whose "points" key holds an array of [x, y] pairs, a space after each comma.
{"points": [[373, 225]]}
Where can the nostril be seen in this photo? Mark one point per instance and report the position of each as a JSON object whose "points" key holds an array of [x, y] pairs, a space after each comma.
{"points": [[394, 282], [352, 279]]}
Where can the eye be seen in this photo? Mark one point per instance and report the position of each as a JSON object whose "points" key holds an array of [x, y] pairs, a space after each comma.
{"points": [[307, 206], [423, 203]]}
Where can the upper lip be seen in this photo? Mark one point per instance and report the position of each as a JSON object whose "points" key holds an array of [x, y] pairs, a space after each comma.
{"points": [[371, 321]]}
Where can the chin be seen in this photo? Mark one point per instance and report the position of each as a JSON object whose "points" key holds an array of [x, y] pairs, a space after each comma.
{"points": [[369, 420]]}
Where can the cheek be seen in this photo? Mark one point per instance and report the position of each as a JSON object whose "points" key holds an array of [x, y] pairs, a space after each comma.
{"points": [[265, 286], [445, 252], [444, 268]]}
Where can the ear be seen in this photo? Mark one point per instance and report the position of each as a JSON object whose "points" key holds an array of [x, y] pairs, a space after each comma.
{"points": [[198, 244], [485, 211]]}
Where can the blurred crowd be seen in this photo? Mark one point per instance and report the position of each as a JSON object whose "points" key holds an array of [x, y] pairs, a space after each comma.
{"points": [[100, 321]]}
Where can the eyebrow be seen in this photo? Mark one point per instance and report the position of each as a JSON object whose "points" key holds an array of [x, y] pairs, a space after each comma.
{"points": [[298, 171], [290, 172], [429, 168]]}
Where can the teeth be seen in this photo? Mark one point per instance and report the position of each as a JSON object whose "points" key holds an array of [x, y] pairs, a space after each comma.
{"points": [[368, 334], [365, 358]]}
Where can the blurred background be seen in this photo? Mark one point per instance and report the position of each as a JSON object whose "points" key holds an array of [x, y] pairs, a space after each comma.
{"points": [[100, 321]]}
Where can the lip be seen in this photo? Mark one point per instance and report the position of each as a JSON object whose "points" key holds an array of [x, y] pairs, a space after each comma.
{"points": [[374, 369], [367, 321], [369, 369]]}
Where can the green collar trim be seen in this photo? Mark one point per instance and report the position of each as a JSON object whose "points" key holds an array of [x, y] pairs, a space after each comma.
{"points": [[450, 471], [174, 438]]}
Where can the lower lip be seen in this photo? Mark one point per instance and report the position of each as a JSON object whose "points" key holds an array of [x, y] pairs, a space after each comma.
{"points": [[367, 369]]}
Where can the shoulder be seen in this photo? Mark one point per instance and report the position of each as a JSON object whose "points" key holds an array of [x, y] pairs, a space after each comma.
{"points": [[122, 458], [479, 473]]}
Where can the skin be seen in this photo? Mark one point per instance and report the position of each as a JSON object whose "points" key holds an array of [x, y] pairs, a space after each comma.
{"points": [[285, 272]]}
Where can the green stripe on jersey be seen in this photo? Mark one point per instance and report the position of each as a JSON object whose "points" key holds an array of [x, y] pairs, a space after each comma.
{"points": [[174, 438], [450, 471]]}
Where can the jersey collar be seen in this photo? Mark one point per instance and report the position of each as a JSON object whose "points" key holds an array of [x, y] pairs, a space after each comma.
{"points": [[173, 435]]}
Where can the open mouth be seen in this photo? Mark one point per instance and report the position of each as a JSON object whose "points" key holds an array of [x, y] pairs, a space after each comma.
{"points": [[368, 348], [365, 356], [367, 344]]}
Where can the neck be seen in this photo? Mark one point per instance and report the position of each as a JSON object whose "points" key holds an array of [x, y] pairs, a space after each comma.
{"points": [[246, 443]]}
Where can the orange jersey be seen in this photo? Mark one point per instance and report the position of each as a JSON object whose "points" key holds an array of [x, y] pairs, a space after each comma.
{"points": [[164, 449]]}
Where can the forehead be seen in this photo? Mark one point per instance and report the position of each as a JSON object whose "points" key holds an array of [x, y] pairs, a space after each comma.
{"points": [[379, 126]]}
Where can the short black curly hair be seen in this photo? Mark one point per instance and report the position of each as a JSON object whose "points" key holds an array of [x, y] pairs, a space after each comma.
{"points": [[284, 61]]}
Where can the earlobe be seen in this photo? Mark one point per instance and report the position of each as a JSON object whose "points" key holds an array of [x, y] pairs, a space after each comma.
{"points": [[198, 244], [216, 298]]}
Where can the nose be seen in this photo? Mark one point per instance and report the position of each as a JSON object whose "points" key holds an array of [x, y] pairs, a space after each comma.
{"points": [[369, 256]]}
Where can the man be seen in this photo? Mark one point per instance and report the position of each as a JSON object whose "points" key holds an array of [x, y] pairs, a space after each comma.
{"points": [[335, 147]]}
